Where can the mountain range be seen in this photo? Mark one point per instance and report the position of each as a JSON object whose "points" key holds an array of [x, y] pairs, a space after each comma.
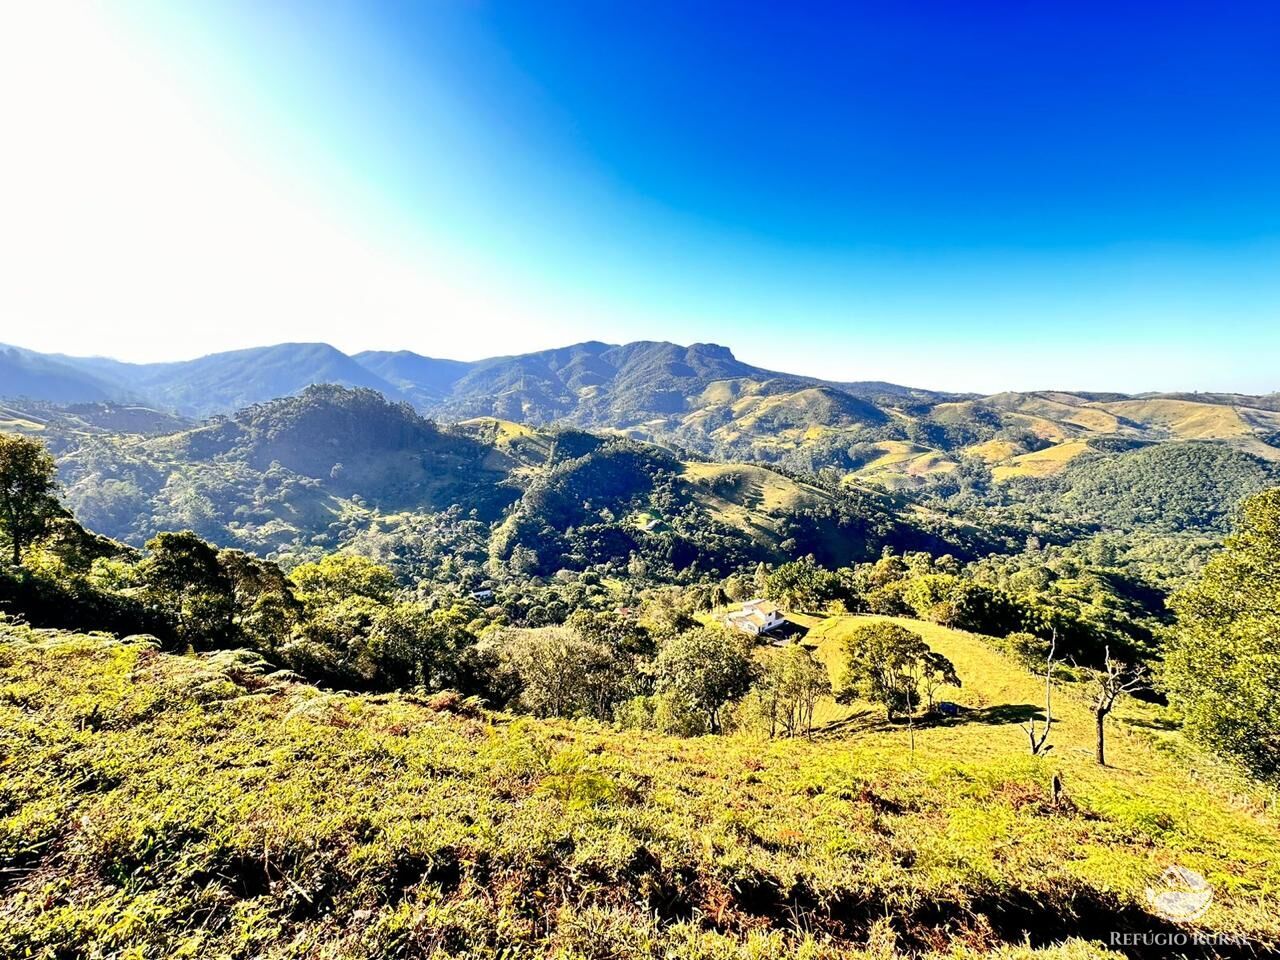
{"points": [[586, 380], [698, 398]]}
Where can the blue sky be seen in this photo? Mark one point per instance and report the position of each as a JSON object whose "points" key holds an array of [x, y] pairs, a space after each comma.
{"points": [[974, 196]]}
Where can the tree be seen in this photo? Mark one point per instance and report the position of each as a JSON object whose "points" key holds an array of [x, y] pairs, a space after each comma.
{"points": [[341, 576], [706, 667], [27, 485], [265, 608], [802, 585], [790, 687], [1222, 665], [563, 674], [1115, 680], [613, 630], [932, 672], [1037, 734], [886, 663], [183, 579], [933, 596], [412, 645]]}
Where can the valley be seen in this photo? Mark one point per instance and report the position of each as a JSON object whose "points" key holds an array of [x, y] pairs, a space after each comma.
{"points": [[498, 596]]}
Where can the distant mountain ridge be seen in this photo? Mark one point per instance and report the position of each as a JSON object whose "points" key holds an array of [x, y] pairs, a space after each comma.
{"points": [[592, 381], [698, 397]]}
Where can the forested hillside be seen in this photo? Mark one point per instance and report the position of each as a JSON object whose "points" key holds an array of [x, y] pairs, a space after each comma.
{"points": [[700, 398], [519, 638], [338, 467]]}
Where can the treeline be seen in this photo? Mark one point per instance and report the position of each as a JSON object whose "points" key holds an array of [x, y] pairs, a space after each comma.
{"points": [[344, 621], [1034, 597], [644, 654]]}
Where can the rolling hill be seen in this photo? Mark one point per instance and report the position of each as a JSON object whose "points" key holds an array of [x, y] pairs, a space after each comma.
{"points": [[699, 397], [337, 466], [24, 373], [202, 805]]}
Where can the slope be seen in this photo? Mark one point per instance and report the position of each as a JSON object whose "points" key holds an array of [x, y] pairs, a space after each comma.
{"points": [[24, 373], [200, 806]]}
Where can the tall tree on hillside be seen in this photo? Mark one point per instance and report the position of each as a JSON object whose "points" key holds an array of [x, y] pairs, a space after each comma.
{"points": [[1115, 680], [706, 667], [27, 485], [886, 663], [1222, 668], [787, 692], [932, 672], [802, 681], [184, 581]]}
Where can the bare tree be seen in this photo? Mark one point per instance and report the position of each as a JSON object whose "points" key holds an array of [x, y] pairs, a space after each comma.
{"points": [[1115, 680], [1038, 734]]}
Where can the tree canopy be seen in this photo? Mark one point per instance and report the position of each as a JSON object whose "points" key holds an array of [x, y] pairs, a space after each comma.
{"points": [[27, 485], [1222, 667]]}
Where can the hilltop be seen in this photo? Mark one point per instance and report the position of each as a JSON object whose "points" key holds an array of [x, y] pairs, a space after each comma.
{"points": [[200, 805], [700, 398], [336, 466]]}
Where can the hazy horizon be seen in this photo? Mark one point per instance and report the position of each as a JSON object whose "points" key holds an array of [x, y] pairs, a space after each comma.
{"points": [[1052, 387], [974, 200]]}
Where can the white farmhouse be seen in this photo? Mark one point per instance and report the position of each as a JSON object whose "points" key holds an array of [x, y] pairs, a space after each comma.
{"points": [[756, 617]]}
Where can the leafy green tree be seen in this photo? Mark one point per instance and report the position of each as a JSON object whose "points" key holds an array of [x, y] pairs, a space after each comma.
{"points": [[341, 576], [412, 645], [931, 672], [788, 691], [933, 596], [613, 630], [887, 664], [676, 714], [27, 485], [265, 607], [342, 596], [1222, 666], [184, 581], [706, 667], [563, 674], [802, 585]]}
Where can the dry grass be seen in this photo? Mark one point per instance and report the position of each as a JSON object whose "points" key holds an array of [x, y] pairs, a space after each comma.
{"points": [[1041, 463]]}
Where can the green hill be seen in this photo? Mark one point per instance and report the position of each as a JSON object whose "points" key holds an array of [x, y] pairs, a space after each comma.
{"points": [[162, 805], [699, 397], [337, 467]]}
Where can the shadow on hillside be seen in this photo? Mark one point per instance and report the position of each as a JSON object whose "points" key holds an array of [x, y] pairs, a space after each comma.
{"points": [[1003, 713], [790, 632], [863, 722], [1152, 723], [1032, 918], [997, 715]]}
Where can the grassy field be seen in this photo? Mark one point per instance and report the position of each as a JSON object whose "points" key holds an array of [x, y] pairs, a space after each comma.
{"points": [[995, 451], [1041, 463], [1184, 419], [16, 421], [749, 498], [901, 464], [1208, 819], [1069, 411], [162, 806]]}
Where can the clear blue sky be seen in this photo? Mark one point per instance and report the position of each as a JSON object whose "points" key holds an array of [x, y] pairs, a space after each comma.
{"points": [[964, 195]]}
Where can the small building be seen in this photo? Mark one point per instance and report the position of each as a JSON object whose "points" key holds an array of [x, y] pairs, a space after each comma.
{"points": [[483, 594], [756, 617]]}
